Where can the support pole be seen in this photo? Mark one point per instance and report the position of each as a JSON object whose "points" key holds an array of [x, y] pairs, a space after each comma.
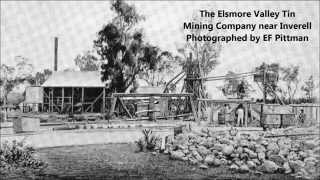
{"points": [[113, 105], [264, 96], [82, 99], [62, 105], [246, 115], [193, 110], [72, 93], [103, 100], [152, 108]]}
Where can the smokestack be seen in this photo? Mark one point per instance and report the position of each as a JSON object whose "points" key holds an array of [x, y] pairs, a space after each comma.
{"points": [[55, 54]]}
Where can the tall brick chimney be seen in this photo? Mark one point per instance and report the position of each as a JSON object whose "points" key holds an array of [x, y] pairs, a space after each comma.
{"points": [[55, 54]]}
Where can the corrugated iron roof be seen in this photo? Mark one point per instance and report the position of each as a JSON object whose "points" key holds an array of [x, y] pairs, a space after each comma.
{"points": [[74, 79]]}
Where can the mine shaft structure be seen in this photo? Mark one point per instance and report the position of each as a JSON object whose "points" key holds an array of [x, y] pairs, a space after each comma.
{"points": [[194, 83]]}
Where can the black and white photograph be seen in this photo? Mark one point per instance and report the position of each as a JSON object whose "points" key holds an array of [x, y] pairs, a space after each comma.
{"points": [[159, 90]]}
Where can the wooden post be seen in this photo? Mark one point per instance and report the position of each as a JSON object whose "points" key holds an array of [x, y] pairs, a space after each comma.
{"points": [[152, 108], [246, 115], [193, 110], [72, 93], [82, 99], [113, 105], [199, 110], [62, 105], [50, 100], [42, 104], [264, 96], [103, 101], [250, 109]]}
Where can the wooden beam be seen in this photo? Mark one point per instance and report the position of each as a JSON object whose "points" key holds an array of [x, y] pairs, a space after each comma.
{"points": [[91, 106], [72, 94], [246, 115], [193, 110], [125, 108], [151, 94], [152, 108], [103, 100], [113, 104], [82, 98], [62, 105]]}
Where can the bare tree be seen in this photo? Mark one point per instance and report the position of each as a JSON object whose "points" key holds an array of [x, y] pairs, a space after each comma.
{"points": [[87, 61], [308, 88], [290, 78]]}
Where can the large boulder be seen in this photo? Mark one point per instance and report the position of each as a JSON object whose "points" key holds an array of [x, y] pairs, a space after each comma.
{"points": [[261, 156], [287, 168], [218, 147], [251, 164], [203, 166], [217, 162], [203, 151], [269, 166], [278, 159], [197, 156], [260, 148], [284, 151], [310, 144], [238, 150], [244, 168], [227, 150], [244, 143], [177, 155], [209, 159], [297, 165], [225, 141], [273, 148], [250, 153], [292, 156], [234, 167], [209, 142], [311, 165], [234, 155]]}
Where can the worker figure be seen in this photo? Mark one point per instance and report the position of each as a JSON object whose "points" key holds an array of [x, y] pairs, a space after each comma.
{"points": [[301, 117], [240, 115]]}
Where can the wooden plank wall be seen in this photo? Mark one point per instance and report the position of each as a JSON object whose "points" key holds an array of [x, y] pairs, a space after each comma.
{"points": [[312, 112]]}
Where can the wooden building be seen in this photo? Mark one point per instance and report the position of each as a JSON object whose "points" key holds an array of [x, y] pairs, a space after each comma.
{"points": [[74, 91]]}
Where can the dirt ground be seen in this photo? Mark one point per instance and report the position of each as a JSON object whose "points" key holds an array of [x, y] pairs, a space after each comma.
{"points": [[120, 161]]}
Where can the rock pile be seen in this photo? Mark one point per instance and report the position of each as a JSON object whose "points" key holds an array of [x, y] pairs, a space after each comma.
{"points": [[248, 152]]}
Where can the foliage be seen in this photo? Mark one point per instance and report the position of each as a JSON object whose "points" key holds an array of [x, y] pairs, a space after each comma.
{"points": [[290, 78], [41, 77], [140, 144], [148, 142], [235, 86], [164, 67], [308, 87], [87, 62], [271, 81], [24, 69], [17, 155], [204, 52], [122, 50], [6, 80]]}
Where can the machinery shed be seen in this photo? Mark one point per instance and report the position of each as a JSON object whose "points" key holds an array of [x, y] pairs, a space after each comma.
{"points": [[74, 91]]}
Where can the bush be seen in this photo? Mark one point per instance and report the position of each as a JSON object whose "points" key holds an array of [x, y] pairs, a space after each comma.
{"points": [[148, 142], [17, 155]]}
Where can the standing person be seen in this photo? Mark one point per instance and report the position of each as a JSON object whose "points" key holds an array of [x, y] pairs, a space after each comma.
{"points": [[301, 117], [240, 115]]}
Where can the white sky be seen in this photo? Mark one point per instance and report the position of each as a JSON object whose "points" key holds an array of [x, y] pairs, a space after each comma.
{"points": [[28, 29]]}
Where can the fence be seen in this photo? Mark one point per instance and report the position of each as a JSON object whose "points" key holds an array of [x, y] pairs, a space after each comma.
{"points": [[141, 106], [278, 115], [312, 112]]}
